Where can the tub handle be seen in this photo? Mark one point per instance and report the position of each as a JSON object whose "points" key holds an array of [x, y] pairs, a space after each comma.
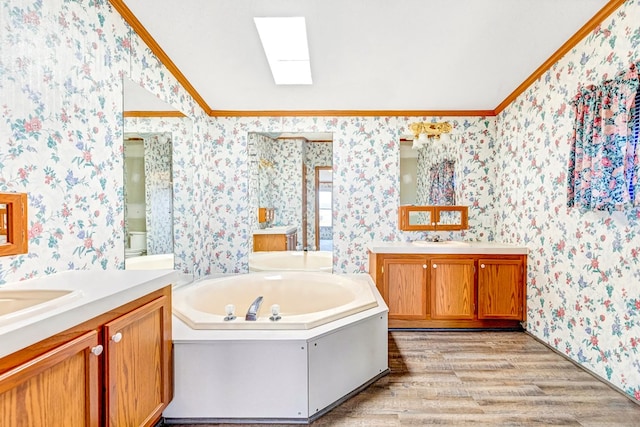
{"points": [[116, 337]]}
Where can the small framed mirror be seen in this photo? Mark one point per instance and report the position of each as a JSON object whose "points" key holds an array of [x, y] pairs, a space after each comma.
{"points": [[13, 224]]}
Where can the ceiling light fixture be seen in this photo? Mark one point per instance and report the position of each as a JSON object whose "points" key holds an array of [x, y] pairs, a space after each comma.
{"points": [[284, 41]]}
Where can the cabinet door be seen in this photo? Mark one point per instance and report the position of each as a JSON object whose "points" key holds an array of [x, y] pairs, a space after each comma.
{"points": [[137, 352], [416, 218], [58, 388], [269, 242], [450, 218], [452, 288], [500, 289], [405, 288]]}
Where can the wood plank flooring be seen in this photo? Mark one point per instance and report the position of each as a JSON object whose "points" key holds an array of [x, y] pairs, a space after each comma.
{"points": [[479, 379]]}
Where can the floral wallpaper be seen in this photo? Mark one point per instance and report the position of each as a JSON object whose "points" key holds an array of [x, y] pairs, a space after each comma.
{"points": [[61, 71], [365, 183], [61, 132], [584, 267]]}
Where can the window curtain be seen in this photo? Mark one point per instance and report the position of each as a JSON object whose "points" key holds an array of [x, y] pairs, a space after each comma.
{"points": [[442, 191], [603, 162]]}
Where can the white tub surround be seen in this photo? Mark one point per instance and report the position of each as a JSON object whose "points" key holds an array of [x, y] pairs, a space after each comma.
{"points": [[454, 247], [93, 293], [291, 376], [451, 284], [291, 261]]}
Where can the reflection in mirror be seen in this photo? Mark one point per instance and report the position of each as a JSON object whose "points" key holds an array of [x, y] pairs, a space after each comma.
{"points": [[420, 218], [152, 130], [428, 173], [291, 173], [450, 218], [148, 195]]}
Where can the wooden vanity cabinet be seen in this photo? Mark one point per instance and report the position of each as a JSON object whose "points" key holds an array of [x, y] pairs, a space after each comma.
{"points": [[114, 370], [275, 242], [451, 291]]}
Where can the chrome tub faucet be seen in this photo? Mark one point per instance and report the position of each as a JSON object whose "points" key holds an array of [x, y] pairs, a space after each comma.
{"points": [[252, 313]]}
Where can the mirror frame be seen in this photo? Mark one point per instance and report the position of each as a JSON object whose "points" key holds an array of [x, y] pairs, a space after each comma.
{"points": [[17, 237]]}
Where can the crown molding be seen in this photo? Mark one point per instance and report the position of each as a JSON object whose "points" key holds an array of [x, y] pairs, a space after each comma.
{"points": [[351, 113]]}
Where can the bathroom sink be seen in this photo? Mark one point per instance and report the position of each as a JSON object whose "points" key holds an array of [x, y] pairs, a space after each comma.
{"points": [[443, 243], [17, 304]]}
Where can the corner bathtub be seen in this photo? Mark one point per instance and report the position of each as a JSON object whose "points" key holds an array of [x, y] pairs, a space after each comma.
{"points": [[330, 343], [306, 300], [291, 261]]}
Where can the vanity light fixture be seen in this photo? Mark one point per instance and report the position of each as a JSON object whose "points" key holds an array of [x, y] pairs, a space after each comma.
{"points": [[425, 131], [284, 40]]}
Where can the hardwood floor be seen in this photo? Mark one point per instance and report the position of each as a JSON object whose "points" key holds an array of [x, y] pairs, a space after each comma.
{"points": [[480, 379]]}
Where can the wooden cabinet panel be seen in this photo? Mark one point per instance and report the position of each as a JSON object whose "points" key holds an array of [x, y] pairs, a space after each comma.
{"points": [[452, 288], [57, 388], [135, 354], [500, 289], [405, 288], [274, 242]]}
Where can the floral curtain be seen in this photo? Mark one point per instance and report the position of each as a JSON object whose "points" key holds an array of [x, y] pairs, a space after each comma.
{"points": [[442, 191], [437, 172], [603, 162]]}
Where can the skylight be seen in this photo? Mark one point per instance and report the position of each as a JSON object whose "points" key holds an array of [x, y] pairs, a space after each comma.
{"points": [[284, 41]]}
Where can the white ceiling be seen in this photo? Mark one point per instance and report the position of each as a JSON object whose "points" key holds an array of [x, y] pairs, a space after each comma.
{"points": [[366, 54]]}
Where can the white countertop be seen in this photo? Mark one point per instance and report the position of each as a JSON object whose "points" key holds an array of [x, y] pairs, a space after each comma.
{"points": [[447, 247], [99, 291], [280, 229]]}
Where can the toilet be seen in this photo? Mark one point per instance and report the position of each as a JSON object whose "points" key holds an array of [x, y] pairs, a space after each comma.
{"points": [[137, 244]]}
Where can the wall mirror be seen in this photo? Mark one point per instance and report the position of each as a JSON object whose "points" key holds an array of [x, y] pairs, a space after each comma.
{"points": [[13, 224], [429, 172], [292, 173], [154, 134]]}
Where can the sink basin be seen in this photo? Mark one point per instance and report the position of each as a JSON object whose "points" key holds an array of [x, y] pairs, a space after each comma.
{"points": [[17, 304], [443, 243]]}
